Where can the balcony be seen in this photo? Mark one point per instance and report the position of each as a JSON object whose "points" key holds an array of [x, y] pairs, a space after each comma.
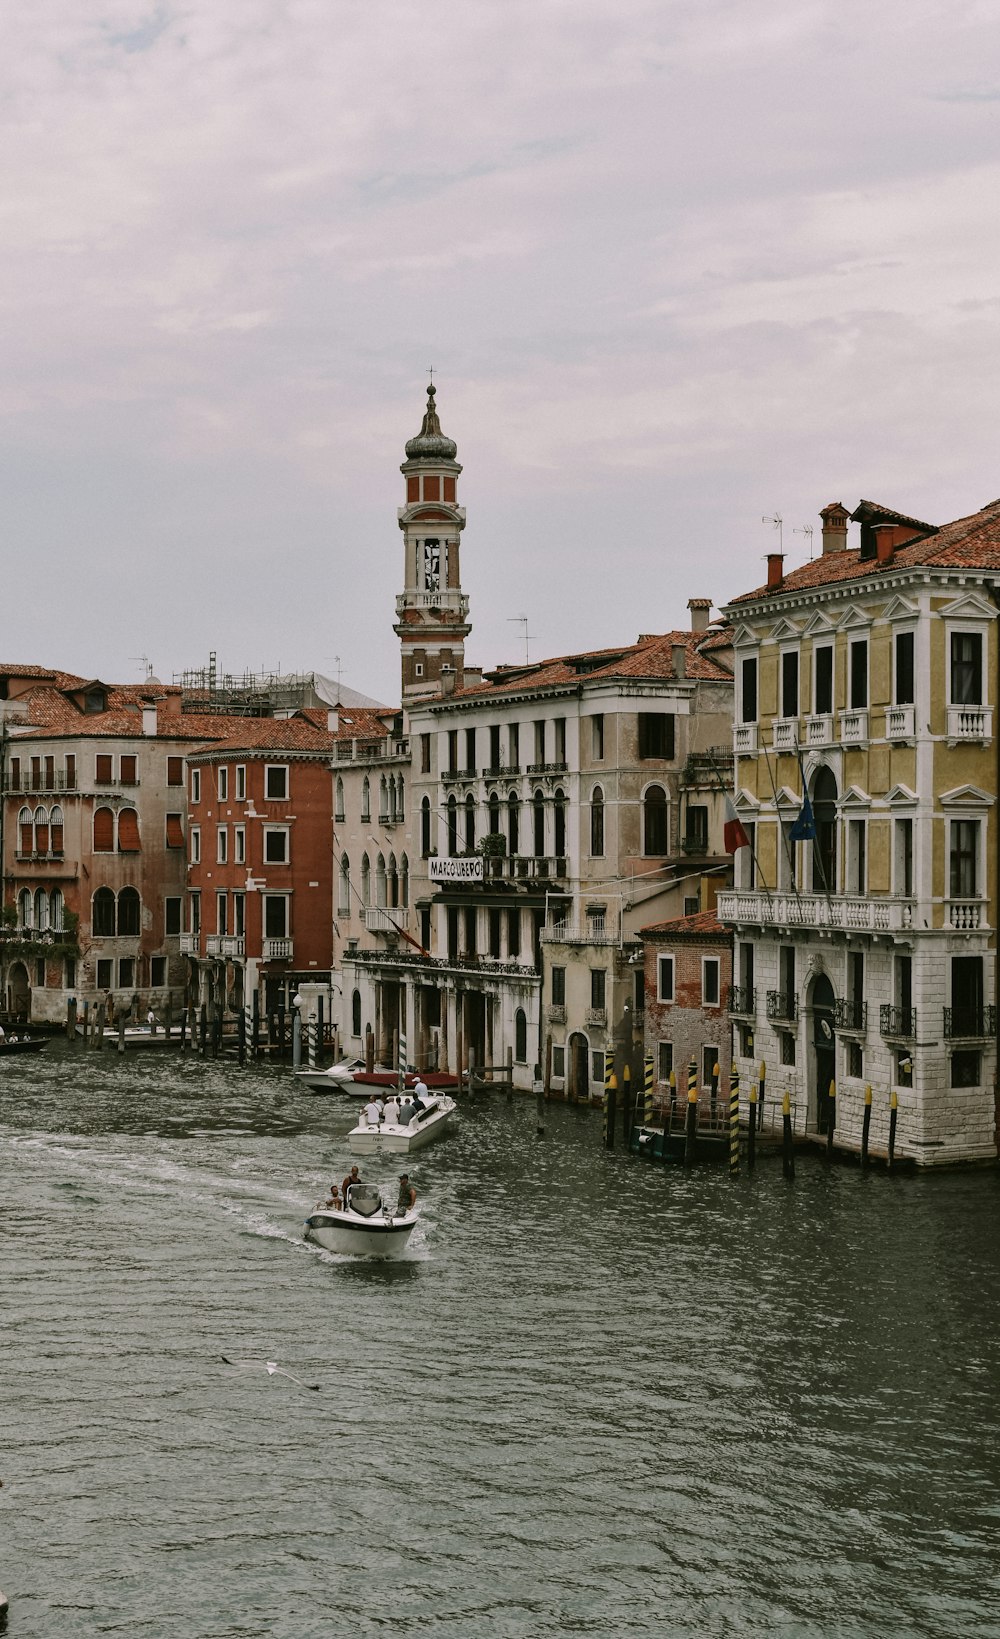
{"points": [[970, 723], [782, 1008], [743, 1001], [524, 867], [598, 1017], [785, 733], [380, 919], [898, 1022], [816, 910], [595, 930], [189, 943], [277, 950], [899, 723], [850, 1015], [36, 780], [853, 727], [694, 845], [451, 776], [501, 771], [225, 944], [555, 1013], [370, 751], [446, 598], [547, 768], [745, 740], [965, 915], [970, 1023], [819, 730]]}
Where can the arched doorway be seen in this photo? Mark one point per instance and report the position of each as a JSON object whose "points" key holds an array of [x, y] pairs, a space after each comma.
{"points": [[18, 992], [824, 805], [578, 1080], [823, 1050]]}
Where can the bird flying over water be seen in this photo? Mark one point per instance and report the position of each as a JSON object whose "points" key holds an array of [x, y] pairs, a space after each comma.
{"points": [[271, 1367]]}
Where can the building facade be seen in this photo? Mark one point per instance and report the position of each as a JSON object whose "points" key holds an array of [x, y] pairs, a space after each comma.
{"points": [[865, 926], [688, 972]]}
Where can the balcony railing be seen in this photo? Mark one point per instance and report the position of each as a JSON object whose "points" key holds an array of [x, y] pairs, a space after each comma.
{"points": [[970, 722], [382, 919], [849, 1014], [369, 751], [556, 1013], [972, 1023], [189, 944], [782, 1008], [814, 910], [36, 780], [451, 775], [597, 1016], [593, 931], [853, 726], [785, 733], [501, 771], [899, 723], [694, 845], [966, 914], [277, 950], [524, 867], [819, 730], [897, 1021], [744, 739], [225, 944], [743, 1000], [547, 768], [488, 966]]}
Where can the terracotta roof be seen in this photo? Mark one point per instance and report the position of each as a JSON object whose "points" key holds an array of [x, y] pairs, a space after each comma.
{"points": [[967, 543], [358, 724], [650, 657], [699, 925], [250, 734]]}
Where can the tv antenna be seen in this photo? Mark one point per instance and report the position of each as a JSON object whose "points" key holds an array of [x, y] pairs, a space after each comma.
{"points": [[522, 620], [775, 520], [142, 660], [807, 531]]}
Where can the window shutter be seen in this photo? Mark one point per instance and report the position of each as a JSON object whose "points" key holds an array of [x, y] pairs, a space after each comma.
{"points": [[104, 831], [104, 763], [128, 771], [175, 831], [128, 831]]}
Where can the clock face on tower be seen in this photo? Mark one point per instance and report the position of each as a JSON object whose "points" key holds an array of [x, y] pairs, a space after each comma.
{"points": [[432, 566]]}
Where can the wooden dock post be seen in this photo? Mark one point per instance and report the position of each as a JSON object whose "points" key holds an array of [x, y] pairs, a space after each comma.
{"points": [[627, 1111], [297, 1039], [241, 1037], [831, 1118], [121, 1030], [673, 1099], [71, 1020], [370, 1050], [86, 1025], [734, 1122], [866, 1125], [610, 1100], [752, 1128], [255, 1024], [714, 1093], [547, 1079], [647, 1100], [691, 1122], [893, 1113], [760, 1095], [281, 1028], [787, 1147], [202, 1030]]}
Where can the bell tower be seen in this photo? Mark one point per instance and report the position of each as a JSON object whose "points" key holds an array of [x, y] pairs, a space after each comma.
{"points": [[432, 611]]}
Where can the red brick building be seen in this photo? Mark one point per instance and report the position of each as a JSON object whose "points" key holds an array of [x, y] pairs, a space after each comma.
{"points": [[688, 972]]}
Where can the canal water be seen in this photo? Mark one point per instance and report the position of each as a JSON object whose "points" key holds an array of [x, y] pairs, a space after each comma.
{"points": [[598, 1397]]}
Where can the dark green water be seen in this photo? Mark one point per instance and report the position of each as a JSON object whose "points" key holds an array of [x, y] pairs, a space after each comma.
{"points": [[598, 1398]]}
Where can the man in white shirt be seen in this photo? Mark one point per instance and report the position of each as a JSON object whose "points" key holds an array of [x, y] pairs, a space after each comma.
{"points": [[372, 1112], [391, 1111]]}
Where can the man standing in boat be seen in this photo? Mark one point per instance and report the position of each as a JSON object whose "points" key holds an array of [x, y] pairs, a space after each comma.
{"points": [[407, 1194], [353, 1177]]}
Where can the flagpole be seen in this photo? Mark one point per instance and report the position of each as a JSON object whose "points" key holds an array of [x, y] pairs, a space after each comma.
{"points": [[787, 841], [753, 851]]}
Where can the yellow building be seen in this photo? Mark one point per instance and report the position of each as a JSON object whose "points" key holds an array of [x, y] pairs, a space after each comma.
{"points": [[865, 922]]}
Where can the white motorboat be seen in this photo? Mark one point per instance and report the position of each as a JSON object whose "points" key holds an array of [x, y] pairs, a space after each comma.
{"points": [[336, 1078], [416, 1126], [364, 1226]]}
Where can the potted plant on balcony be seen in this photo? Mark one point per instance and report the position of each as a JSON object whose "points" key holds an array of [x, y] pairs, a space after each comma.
{"points": [[493, 847]]}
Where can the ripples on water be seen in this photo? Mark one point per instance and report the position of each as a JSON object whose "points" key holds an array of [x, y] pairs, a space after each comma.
{"points": [[598, 1397]]}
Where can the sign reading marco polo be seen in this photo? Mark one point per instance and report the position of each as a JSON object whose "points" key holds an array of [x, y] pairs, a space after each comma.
{"points": [[457, 870]]}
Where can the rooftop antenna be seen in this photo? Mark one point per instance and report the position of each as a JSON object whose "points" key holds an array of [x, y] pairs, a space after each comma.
{"points": [[807, 531], [522, 620], [775, 520], [142, 660]]}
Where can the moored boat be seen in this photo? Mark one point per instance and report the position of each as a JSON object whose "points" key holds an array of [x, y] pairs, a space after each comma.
{"points": [[415, 1126], [364, 1226], [22, 1044]]}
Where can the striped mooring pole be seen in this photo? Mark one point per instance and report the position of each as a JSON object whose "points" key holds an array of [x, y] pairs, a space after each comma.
{"points": [[691, 1124], [734, 1122], [610, 1100], [752, 1129], [714, 1093], [866, 1125], [647, 1089]]}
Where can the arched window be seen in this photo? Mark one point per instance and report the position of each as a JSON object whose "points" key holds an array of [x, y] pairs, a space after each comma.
{"points": [[400, 806], [493, 803], [559, 823], [56, 909], [655, 821], [129, 911], [355, 1013], [41, 830], [56, 831], [452, 826], [470, 822], [366, 799], [824, 850], [366, 881], [392, 883], [383, 800], [513, 824], [103, 916], [26, 831], [520, 1036], [538, 822], [128, 831], [425, 827], [339, 810], [344, 898], [41, 910], [104, 831], [380, 880], [404, 882], [25, 909], [597, 823]]}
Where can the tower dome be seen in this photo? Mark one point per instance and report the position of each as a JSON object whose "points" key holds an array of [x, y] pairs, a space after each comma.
{"points": [[430, 443]]}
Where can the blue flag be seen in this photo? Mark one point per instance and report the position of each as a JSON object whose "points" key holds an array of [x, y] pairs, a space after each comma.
{"points": [[804, 829]]}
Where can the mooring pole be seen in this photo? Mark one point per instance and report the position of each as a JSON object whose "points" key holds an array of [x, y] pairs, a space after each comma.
{"points": [[673, 1098], [866, 1125], [760, 1095], [241, 1037], [714, 1093], [787, 1148], [691, 1123], [647, 1090], [893, 1112], [734, 1122], [255, 1024], [831, 1118], [610, 1091], [627, 1113]]}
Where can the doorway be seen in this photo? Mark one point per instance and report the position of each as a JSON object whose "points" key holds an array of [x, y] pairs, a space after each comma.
{"points": [[578, 1080], [824, 1051]]}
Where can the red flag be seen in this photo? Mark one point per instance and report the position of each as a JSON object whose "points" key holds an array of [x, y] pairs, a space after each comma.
{"points": [[733, 834]]}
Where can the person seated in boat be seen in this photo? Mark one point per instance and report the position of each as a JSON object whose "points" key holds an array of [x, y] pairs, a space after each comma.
{"points": [[407, 1194], [420, 1094], [353, 1177], [373, 1112], [391, 1111], [334, 1202], [407, 1111]]}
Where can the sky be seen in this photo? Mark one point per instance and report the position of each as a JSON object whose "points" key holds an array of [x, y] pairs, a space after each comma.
{"points": [[680, 266]]}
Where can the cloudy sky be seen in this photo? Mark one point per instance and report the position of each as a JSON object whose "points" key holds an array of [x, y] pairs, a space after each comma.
{"points": [[678, 265]]}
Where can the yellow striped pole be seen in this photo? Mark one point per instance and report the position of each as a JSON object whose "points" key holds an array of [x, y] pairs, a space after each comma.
{"points": [[734, 1122], [647, 1102], [691, 1128], [715, 1089], [628, 1113], [610, 1100], [752, 1129]]}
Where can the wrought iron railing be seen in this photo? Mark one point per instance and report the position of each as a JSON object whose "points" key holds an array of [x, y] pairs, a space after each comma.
{"points": [[974, 1022], [743, 999], [897, 1021], [782, 1007], [850, 1014]]}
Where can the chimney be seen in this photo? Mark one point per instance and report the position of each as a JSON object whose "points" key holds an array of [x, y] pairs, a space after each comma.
{"points": [[678, 655], [885, 542], [775, 569], [448, 676], [149, 719], [835, 521], [333, 720], [700, 609]]}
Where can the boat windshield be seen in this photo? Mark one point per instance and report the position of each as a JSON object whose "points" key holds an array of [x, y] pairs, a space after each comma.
{"points": [[364, 1198]]}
